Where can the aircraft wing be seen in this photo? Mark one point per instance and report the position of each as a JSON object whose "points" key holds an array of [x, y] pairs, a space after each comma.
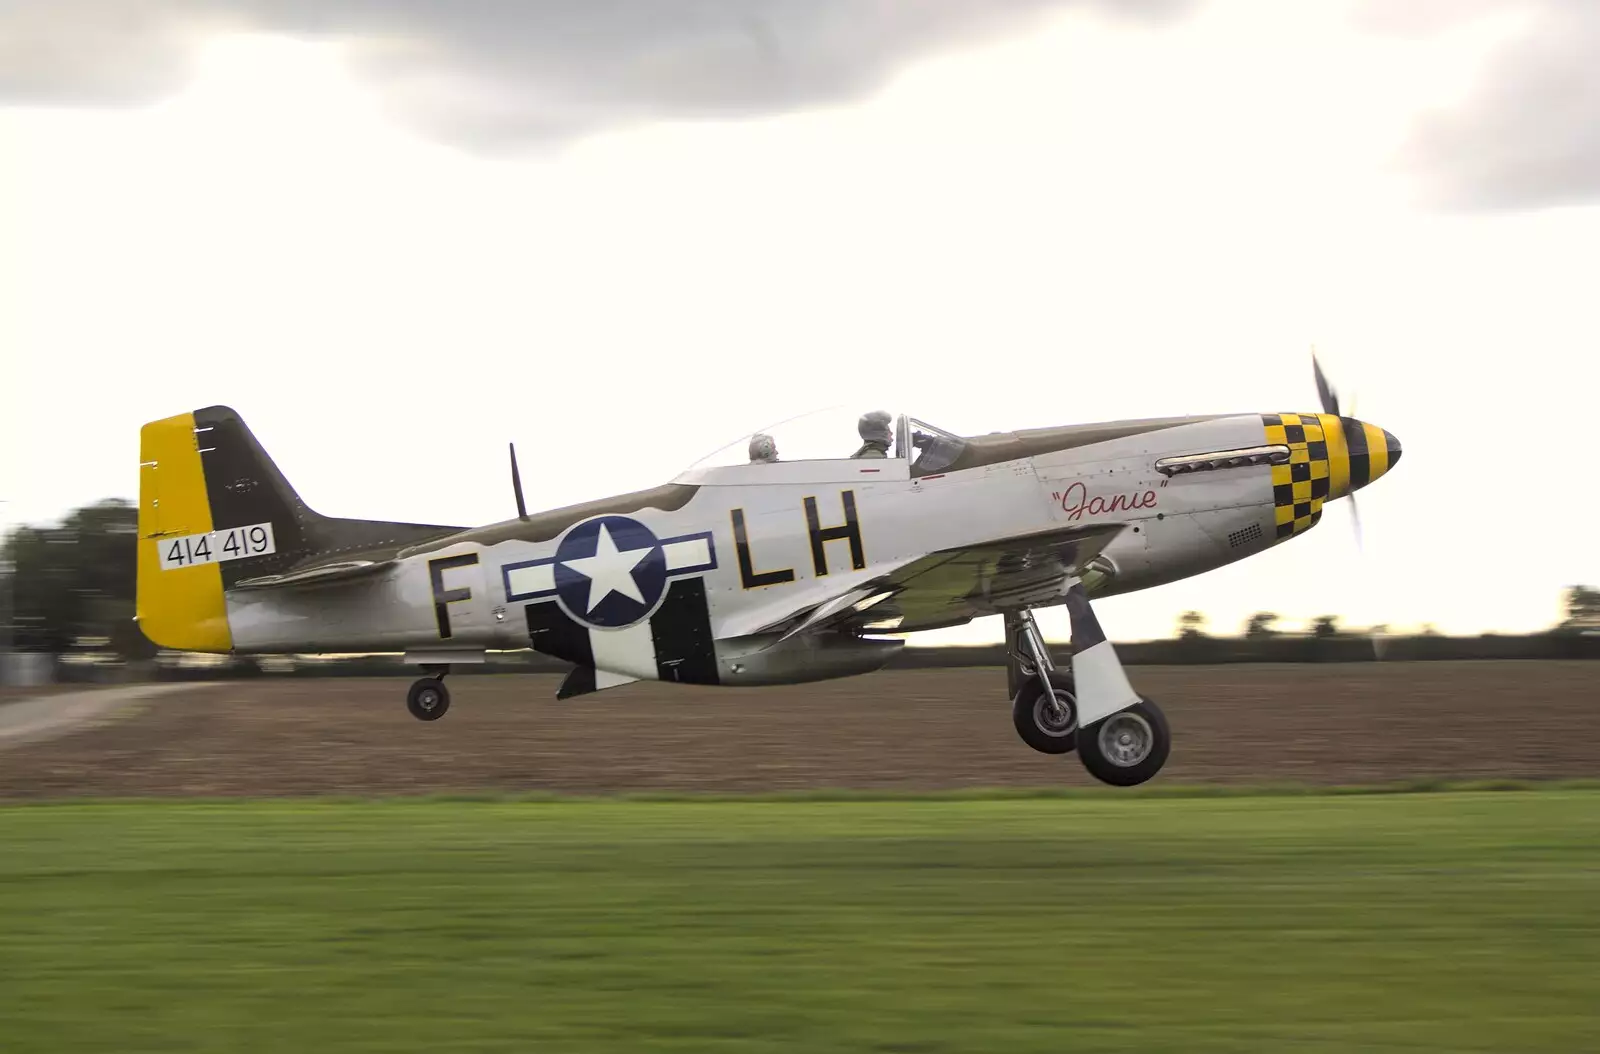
{"points": [[954, 586]]}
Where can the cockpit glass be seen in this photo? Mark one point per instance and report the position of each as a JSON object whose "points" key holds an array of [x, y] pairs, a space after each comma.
{"points": [[838, 432], [828, 434], [932, 448]]}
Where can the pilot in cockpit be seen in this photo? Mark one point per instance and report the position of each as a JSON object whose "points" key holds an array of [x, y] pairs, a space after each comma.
{"points": [[763, 449], [876, 435]]}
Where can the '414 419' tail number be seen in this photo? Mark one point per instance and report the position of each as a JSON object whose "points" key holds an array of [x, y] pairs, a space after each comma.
{"points": [[212, 547]]}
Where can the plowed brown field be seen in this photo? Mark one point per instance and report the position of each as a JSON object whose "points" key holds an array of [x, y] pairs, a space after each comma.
{"points": [[907, 729]]}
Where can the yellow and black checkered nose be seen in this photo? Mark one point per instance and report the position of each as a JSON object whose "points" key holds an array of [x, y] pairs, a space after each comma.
{"points": [[1329, 457]]}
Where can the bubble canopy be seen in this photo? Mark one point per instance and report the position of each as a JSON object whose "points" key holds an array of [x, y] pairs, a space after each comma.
{"points": [[833, 434]]}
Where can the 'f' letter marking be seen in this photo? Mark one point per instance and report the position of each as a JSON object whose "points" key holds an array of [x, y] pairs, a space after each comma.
{"points": [[442, 597]]}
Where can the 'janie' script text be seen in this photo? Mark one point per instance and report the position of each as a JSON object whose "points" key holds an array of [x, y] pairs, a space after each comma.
{"points": [[1076, 502]]}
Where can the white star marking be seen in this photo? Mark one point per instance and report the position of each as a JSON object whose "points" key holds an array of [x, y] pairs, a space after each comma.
{"points": [[610, 570]]}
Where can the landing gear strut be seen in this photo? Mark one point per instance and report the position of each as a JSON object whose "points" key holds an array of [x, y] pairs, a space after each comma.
{"points": [[428, 698], [1125, 740], [1043, 707]]}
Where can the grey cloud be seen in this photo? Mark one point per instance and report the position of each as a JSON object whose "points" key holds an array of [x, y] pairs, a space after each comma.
{"points": [[502, 72], [1528, 134], [78, 52]]}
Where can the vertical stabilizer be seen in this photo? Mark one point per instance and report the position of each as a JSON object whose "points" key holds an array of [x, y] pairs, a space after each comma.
{"points": [[214, 510]]}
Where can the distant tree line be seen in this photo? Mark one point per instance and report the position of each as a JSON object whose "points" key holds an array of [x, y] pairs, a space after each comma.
{"points": [[70, 587], [1581, 607]]}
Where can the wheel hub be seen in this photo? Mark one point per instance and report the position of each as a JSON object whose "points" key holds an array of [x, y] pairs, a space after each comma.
{"points": [[1055, 714], [1126, 739]]}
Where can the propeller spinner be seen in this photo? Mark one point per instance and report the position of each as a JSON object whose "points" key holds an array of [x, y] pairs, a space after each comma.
{"points": [[1379, 449]]}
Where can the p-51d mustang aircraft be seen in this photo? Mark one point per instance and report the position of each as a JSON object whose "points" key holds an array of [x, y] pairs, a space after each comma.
{"points": [[768, 571]]}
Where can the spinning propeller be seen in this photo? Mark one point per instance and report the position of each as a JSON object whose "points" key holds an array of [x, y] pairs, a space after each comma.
{"points": [[1330, 405], [1372, 451]]}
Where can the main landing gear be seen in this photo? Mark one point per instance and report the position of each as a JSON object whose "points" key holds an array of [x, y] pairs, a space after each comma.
{"points": [[428, 698], [1124, 747]]}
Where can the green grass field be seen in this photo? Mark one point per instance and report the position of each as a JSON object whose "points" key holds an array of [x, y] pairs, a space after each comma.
{"points": [[1448, 921]]}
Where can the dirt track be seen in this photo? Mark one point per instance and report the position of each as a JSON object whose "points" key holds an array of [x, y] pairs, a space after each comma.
{"points": [[1332, 723]]}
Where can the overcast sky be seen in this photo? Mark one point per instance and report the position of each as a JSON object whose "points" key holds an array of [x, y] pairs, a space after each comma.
{"points": [[623, 234]]}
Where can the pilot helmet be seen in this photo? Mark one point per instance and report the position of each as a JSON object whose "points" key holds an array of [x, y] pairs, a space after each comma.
{"points": [[762, 448], [874, 427]]}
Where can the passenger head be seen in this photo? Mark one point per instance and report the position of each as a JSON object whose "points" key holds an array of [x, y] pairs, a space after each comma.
{"points": [[762, 448]]}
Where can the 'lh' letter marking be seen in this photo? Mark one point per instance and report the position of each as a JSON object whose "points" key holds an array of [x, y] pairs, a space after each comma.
{"points": [[749, 577], [850, 529]]}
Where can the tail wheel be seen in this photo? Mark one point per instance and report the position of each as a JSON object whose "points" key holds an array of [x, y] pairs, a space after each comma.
{"points": [[1047, 722], [1127, 748], [428, 699]]}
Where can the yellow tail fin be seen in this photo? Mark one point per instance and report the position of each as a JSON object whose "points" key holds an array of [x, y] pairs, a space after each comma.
{"points": [[179, 603]]}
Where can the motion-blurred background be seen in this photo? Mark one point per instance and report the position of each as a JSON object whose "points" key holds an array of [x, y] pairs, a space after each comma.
{"points": [[398, 235]]}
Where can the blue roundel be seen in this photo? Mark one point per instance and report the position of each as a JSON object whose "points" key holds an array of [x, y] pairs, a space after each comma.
{"points": [[610, 571]]}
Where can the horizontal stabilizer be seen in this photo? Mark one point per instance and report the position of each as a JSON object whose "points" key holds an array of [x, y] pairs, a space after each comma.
{"points": [[317, 574]]}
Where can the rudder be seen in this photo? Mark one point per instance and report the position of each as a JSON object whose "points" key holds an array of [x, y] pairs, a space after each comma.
{"points": [[177, 605]]}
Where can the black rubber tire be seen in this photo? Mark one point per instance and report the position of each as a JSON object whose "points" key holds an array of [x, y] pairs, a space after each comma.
{"points": [[1102, 768], [428, 699], [1028, 715]]}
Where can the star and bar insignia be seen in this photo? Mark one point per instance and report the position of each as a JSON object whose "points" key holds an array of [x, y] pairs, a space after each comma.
{"points": [[617, 601]]}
